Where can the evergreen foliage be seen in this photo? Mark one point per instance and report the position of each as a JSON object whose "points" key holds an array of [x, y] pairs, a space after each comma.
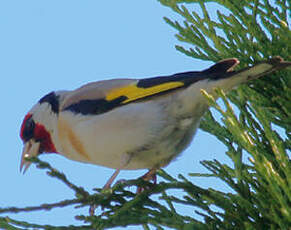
{"points": [[260, 132]]}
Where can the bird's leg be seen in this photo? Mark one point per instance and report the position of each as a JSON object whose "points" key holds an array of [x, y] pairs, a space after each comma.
{"points": [[106, 186], [124, 161], [150, 175], [111, 179]]}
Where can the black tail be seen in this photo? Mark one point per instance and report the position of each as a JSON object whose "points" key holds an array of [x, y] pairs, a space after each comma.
{"points": [[217, 71], [222, 67], [220, 70]]}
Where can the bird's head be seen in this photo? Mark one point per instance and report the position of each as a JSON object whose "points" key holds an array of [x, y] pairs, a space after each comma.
{"points": [[38, 127]]}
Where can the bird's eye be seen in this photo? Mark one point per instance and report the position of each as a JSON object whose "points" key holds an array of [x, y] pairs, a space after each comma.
{"points": [[28, 129]]}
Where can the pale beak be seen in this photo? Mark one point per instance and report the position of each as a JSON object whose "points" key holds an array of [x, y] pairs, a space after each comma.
{"points": [[30, 149]]}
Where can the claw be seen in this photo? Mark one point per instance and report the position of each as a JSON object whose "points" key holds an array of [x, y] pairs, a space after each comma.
{"points": [[150, 175], [106, 186]]}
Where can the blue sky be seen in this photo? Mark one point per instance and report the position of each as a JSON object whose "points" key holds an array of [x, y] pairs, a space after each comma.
{"points": [[53, 45]]}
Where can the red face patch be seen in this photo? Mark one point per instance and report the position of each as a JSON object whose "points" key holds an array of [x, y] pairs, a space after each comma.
{"points": [[42, 135], [31, 130]]}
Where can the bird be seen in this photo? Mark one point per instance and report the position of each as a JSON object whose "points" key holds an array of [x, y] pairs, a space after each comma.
{"points": [[129, 124]]}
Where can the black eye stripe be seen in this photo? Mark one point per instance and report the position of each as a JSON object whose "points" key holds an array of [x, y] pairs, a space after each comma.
{"points": [[28, 129]]}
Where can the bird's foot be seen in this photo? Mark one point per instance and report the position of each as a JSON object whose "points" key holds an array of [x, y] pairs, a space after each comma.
{"points": [[106, 186], [92, 209], [149, 176], [120, 182]]}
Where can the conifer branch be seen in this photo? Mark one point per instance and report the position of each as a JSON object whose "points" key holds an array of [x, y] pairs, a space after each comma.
{"points": [[259, 176]]}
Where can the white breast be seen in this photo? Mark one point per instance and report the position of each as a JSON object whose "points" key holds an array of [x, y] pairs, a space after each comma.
{"points": [[105, 139]]}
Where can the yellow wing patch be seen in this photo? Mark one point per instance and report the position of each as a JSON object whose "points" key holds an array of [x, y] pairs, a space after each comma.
{"points": [[132, 92]]}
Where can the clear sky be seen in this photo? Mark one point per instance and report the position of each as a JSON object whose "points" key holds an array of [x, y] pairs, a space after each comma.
{"points": [[53, 45]]}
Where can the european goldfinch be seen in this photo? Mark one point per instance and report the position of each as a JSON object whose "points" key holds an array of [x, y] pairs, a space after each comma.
{"points": [[130, 123]]}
